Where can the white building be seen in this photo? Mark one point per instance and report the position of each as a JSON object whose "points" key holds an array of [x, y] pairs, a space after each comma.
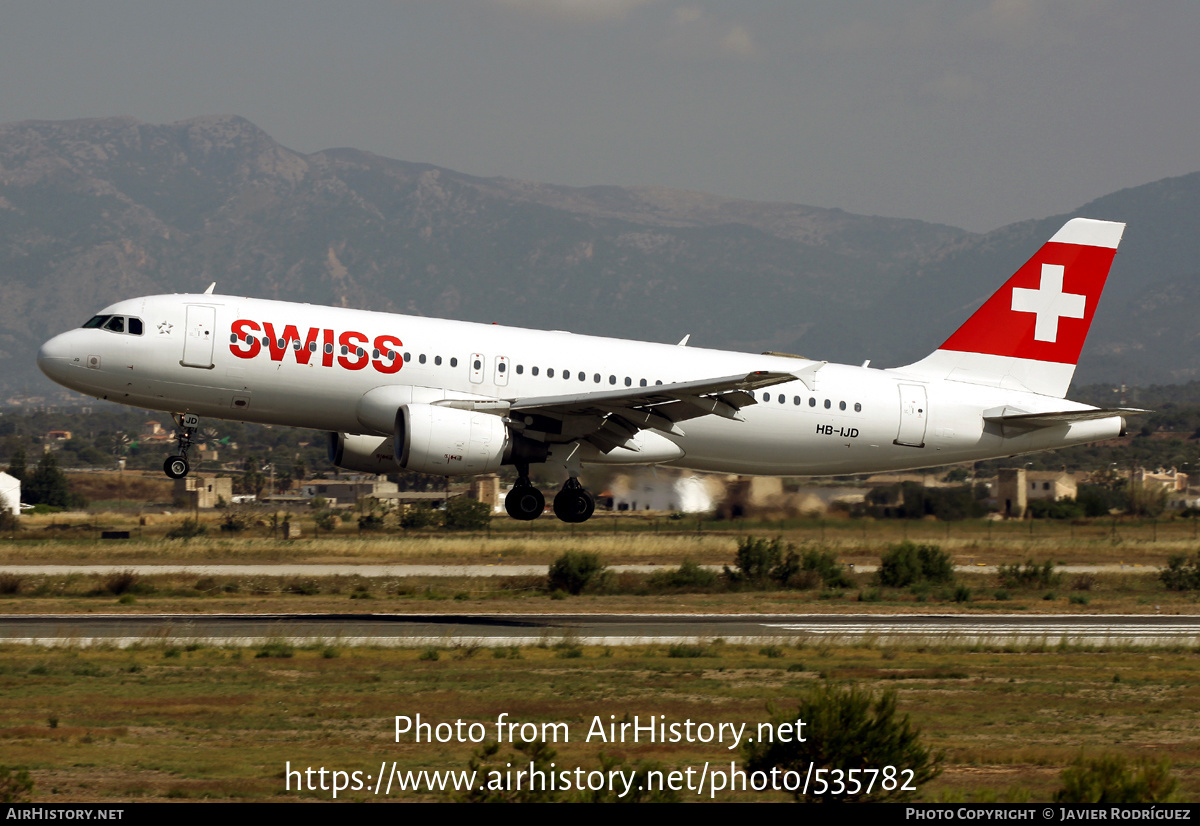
{"points": [[10, 493]]}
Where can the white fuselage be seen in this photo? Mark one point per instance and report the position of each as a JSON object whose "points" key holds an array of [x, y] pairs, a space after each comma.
{"points": [[835, 419]]}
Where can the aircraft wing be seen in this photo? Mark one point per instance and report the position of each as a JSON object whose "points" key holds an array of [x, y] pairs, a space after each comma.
{"points": [[610, 418]]}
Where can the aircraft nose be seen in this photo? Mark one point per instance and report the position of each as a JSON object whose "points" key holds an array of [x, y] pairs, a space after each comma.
{"points": [[54, 357]]}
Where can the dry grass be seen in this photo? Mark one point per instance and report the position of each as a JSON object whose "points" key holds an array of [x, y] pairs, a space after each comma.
{"points": [[68, 538], [158, 723]]}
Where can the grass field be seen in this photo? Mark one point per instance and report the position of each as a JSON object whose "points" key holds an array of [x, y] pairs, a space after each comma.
{"points": [[161, 722]]}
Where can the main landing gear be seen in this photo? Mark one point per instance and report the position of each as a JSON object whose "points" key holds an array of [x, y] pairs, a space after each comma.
{"points": [[524, 501], [176, 467], [571, 504]]}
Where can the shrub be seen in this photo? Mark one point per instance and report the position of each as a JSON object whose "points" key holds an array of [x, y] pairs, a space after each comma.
{"points": [[370, 522], [1111, 779], [1031, 575], [278, 649], [465, 514], [235, 521], [1181, 573], [761, 562], [847, 727], [687, 575], [15, 784], [420, 516], [908, 563], [574, 571], [187, 529], [120, 582]]}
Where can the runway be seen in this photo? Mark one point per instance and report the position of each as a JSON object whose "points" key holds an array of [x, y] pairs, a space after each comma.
{"points": [[449, 630]]}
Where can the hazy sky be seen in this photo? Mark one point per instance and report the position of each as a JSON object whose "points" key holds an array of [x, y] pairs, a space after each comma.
{"points": [[968, 112]]}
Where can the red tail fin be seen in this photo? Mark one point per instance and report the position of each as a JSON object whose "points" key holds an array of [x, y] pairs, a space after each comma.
{"points": [[1029, 334]]}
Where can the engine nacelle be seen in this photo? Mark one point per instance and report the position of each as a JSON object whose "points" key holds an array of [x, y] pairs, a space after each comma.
{"points": [[366, 454], [449, 442]]}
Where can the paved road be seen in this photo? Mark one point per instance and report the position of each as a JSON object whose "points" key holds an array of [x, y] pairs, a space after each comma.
{"points": [[596, 629]]}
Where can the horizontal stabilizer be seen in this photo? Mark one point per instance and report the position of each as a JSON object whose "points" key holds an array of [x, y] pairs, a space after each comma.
{"points": [[1013, 417]]}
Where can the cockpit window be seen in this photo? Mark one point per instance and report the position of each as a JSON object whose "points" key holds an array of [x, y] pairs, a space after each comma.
{"points": [[116, 324]]}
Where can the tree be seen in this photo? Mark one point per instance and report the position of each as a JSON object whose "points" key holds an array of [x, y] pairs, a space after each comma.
{"points": [[466, 514], [1111, 779], [847, 728], [16, 464], [47, 485]]}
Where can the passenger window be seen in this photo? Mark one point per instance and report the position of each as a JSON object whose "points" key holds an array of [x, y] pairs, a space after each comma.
{"points": [[841, 405], [437, 360], [499, 367], [329, 349], [782, 398], [534, 371], [478, 365], [549, 372], [812, 401], [642, 383], [628, 381], [453, 362], [116, 324], [612, 379], [312, 347], [135, 326], [421, 358], [596, 378], [857, 407], [408, 356], [828, 404], [795, 400], [520, 369]]}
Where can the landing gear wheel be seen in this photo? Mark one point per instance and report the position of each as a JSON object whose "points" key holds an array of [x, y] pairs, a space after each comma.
{"points": [[573, 503], [524, 501], [176, 467]]}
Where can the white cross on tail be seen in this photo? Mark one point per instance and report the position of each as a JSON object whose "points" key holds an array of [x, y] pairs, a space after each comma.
{"points": [[1049, 302]]}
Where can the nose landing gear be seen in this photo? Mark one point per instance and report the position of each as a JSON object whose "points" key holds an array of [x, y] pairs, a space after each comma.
{"points": [[176, 467]]}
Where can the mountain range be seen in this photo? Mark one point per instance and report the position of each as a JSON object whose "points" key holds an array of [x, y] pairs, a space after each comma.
{"points": [[92, 211]]}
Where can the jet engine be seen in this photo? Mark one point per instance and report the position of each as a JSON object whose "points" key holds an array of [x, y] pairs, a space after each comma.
{"points": [[366, 454], [449, 442]]}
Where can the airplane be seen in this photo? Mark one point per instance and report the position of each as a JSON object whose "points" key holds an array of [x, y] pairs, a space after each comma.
{"points": [[452, 398]]}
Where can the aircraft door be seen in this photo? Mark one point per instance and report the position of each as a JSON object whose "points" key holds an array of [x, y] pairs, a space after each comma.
{"points": [[914, 415], [501, 371], [476, 368], [199, 336]]}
